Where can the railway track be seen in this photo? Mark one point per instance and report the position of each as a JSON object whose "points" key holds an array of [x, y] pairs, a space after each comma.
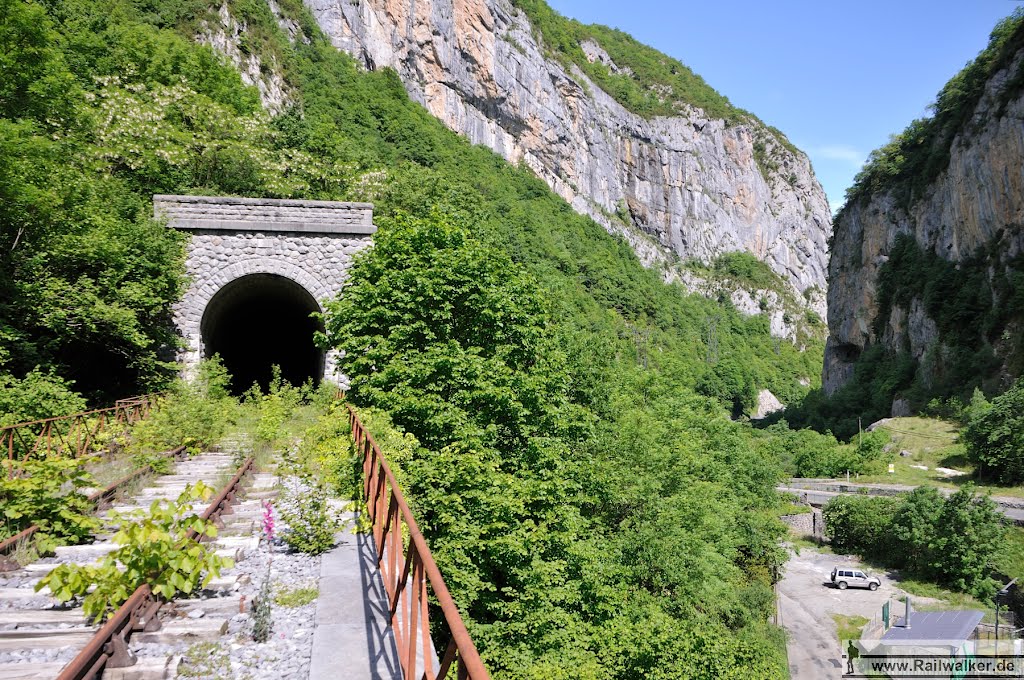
{"points": [[97, 497], [41, 638]]}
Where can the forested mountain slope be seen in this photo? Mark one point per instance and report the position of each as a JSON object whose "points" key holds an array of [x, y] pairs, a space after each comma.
{"points": [[595, 508], [925, 277]]}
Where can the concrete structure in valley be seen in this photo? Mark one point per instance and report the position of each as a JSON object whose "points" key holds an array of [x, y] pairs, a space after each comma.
{"points": [[258, 269]]}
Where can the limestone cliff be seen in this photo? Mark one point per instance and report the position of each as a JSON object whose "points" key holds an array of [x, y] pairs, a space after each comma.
{"points": [[686, 186], [970, 214]]}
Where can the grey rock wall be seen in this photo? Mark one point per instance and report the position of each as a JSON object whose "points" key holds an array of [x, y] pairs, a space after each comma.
{"points": [[979, 195], [690, 184]]}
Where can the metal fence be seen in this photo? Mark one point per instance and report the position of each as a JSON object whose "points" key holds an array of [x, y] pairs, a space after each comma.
{"points": [[73, 435], [411, 576]]}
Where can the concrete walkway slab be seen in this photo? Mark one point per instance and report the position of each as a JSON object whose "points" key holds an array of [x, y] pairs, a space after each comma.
{"points": [[353, 637]]}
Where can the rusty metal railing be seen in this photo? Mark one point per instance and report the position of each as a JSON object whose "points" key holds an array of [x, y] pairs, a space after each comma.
{"points": [[72, 435], [407, 570]]}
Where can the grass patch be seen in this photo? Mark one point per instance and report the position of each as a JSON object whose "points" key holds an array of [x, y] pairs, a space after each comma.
{"points": [[205, 660], [809, 543], [794, 509], [849, 627], [295, 597], [24, 552], [939, 598]]}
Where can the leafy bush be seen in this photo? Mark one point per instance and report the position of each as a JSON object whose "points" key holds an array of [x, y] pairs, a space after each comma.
{"points": [[274, 407], [154, 549], [195, 413], [36, 396], [952, 541], [994, 437], [861, 524], [311, 523], [48, 493], [325, 453]]}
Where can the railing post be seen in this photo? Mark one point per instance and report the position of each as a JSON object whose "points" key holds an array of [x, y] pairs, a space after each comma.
{"points": [[414, 610]]}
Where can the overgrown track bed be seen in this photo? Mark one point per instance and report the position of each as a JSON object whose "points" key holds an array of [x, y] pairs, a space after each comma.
{"points": [[39, 636], [97, 497]]}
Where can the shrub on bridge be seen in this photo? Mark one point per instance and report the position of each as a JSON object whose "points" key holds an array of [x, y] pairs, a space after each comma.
{"points": [[195, 413], [39, 394], [154, 549], [48, 493]]}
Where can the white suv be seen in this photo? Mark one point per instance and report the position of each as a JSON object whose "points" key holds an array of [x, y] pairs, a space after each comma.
{"points": [[845, 577]]}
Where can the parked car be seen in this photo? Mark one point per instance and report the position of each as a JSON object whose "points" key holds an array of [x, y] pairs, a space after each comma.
{"points": [[848, 577]]}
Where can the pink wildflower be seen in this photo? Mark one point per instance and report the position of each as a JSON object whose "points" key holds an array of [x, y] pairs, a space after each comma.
{"points": [[268, 521]]}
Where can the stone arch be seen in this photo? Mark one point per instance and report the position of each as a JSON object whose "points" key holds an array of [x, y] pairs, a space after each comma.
{"points": [[309, 243], [216, 280], [209, 283]]}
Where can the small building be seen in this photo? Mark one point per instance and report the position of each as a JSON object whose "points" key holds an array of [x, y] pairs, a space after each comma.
{"points": [[931, 644]]}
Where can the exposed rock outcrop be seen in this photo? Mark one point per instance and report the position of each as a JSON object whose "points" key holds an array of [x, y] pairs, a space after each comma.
{"points": [[225, 36], [685, 186], [977, 201], [767, 404]]}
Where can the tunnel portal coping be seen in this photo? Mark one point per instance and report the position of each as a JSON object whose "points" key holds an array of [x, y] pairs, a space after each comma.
{"points": [[227, 213]]}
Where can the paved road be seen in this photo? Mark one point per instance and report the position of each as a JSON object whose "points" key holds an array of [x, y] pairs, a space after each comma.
{"points": [[817, 498], [806, 606]]}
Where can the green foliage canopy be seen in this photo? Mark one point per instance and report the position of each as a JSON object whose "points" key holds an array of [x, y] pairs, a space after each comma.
{"points": [[994, 437]]}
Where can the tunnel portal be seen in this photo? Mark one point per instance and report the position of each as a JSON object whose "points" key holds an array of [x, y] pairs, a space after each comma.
{"points": [[261, 320], [256, 268]]}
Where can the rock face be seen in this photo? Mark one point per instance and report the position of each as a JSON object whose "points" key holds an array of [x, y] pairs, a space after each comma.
{"points": [[767, 404], [979, 198], [225, 35], [686, 186]]}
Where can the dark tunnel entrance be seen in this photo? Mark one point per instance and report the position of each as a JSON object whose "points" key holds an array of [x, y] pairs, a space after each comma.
{"points": [[261, 320]]}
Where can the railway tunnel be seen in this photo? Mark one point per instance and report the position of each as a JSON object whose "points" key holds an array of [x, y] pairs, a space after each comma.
{"points": [[261, 320], [257, 268]]}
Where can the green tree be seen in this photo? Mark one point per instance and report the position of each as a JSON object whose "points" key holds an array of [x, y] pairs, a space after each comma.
{"points": [[994, 437], [861, 524], [914, 529], [968, 532]]}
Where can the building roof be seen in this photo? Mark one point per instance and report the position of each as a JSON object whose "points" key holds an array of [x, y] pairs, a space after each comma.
{"points": [[953, 626]]}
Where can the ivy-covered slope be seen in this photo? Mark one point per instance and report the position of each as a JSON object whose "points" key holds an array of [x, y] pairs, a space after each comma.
{"points": [[597, 511]]}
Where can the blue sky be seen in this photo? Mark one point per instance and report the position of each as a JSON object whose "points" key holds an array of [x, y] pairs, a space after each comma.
{"points": [[838, 78]]}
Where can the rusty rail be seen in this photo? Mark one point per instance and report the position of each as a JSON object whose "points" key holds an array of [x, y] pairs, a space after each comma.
{"points": [[72, 434], [7, 545], [407, 571], [109, 647]]}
